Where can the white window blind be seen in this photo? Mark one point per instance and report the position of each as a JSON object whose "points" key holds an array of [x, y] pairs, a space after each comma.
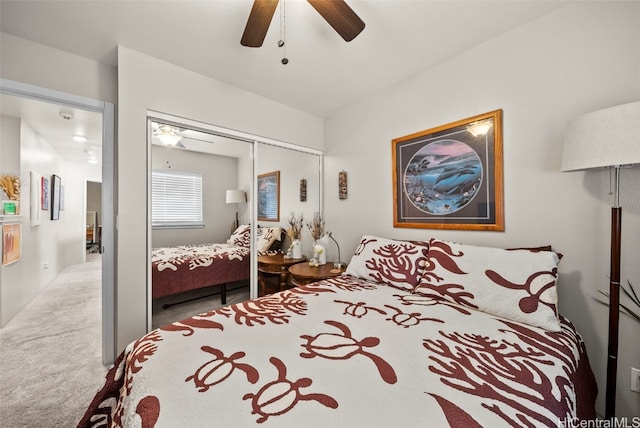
{"points": [[176, 199]]}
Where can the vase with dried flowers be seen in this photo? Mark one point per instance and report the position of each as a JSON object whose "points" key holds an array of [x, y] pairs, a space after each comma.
{"points": [[10, 184], [294, 232], [316, 227]]}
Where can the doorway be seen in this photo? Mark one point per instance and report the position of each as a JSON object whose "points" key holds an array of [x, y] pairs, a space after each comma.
{"points": [[93, 228], [68, 102]]}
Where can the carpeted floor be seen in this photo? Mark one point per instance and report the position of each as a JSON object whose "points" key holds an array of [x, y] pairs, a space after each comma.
{"points": [[50, 353]]}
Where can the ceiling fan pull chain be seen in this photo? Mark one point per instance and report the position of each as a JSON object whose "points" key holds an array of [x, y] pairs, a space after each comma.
{"points": [[283, 34], [610, 181]]}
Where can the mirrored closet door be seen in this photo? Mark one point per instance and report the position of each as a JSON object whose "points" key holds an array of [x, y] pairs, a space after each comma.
{"points": [[207, 191], [197, 261]]}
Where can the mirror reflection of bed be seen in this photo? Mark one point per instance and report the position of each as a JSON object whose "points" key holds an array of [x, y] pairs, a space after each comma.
{"points": [[185, 257], [198, 267]]}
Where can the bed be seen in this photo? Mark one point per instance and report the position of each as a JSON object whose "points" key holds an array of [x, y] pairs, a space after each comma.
{"points": [[403, 338], [188, 267]]}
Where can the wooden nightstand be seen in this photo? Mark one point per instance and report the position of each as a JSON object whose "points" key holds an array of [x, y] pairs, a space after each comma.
{"points": [[274, 267], [303, 274]]}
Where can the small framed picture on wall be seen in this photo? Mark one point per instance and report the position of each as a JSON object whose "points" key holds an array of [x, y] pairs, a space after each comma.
{"points": [[56, 188]]}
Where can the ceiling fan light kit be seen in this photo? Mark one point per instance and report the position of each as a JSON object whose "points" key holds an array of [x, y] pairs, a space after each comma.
{"points": [[168, 135]]}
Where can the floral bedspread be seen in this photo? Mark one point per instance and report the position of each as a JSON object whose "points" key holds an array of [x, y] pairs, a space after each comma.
{"points": [[346, 352], [187, 267]]}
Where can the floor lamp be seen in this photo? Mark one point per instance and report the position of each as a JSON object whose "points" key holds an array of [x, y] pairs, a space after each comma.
{"points": [[236, 197], [608, 138]]}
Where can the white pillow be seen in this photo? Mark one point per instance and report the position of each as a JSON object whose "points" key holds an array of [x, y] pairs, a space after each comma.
{"points": [[396, 263], [241, 237], [266, 236], [519, 285]]}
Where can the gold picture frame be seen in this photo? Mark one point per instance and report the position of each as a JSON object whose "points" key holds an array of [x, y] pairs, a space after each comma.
{"points": [[11, 243], [451, 176], [269, 196]]}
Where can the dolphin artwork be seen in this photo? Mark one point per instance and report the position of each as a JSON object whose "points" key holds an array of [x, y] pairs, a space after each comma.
{"points": [[443, 177]]}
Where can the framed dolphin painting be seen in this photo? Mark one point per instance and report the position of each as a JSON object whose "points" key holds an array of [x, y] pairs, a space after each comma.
{"points": [[269, 196], [450, 177]]}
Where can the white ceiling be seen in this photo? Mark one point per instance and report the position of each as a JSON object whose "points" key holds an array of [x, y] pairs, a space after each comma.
{"points": [[324, 73], [45, 119]]}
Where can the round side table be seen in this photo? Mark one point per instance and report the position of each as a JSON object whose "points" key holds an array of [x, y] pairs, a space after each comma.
{"points": [[303, 274], [274, 265]]}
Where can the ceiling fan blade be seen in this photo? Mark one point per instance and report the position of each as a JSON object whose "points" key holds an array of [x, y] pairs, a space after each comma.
{"points": [[258, 23], [340, 16]]}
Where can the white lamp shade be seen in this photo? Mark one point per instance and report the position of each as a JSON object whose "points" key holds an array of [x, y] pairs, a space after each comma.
{"points": [[603, 138], [236, 196]]}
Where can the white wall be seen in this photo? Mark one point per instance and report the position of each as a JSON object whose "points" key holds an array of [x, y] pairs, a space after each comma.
{"points": [[40, 260], [28, 62], [582, 57], [146, 83], [219, 173], [9, 164], [293, 165]]}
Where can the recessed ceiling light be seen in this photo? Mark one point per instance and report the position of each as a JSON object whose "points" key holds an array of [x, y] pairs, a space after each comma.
{"points": [[93, 160], [79, 138]]}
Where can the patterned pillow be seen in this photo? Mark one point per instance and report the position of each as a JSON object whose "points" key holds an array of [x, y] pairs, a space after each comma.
{"points": [[518, 285], [241, 237], [395, 263], [266, 236]]}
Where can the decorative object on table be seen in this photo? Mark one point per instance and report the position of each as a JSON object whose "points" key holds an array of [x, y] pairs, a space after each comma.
{"points": [[236, 197], [337, 266], [56, 183], [607, 139], [10, 207], [303, 190], [269, 196], [296, 249], [319, 255], [11, 243], [10, 184], [342, 185], [316, 228], [35, 189], [44, 194], [294, 231], [450, 177]]}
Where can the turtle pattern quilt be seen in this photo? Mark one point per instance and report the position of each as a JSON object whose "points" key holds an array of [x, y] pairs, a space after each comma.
{"points": [[187, 267], [347, 352]]}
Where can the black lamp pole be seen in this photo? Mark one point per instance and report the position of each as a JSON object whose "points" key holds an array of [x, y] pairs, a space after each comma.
{"points": [[614, 299]]}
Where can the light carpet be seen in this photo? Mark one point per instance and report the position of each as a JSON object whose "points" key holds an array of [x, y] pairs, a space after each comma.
{"points": [[50, 353]]}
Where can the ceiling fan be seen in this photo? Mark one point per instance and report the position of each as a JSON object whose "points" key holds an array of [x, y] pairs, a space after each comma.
{"points": [[336, 12], [168, 135]]}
